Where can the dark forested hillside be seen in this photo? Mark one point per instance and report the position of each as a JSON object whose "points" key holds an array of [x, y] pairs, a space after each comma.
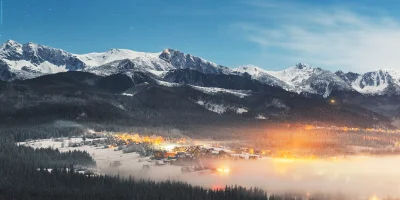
{"points": [[141, 101]]}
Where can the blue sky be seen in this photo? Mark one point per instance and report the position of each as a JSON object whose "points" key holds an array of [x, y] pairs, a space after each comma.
{"points": [[270, 34]]}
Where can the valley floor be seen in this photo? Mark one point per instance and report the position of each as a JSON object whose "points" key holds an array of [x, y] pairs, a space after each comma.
{"points": [[357, 176]]}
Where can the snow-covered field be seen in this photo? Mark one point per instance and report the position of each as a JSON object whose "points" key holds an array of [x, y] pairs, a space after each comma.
{"points": [[105, 157]]}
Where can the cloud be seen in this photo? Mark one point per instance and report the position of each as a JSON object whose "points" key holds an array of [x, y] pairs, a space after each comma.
{"points": [[333, 37]]}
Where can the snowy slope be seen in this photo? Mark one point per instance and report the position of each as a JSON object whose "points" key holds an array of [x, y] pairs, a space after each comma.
{"points": [[181, 60], [32, 60], [150, 64], [304, 78], [98, 59], [263, 76]]}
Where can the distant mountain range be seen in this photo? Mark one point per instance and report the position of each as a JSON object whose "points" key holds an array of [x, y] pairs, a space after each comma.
{"points": [[25, 61], [53, 80]]}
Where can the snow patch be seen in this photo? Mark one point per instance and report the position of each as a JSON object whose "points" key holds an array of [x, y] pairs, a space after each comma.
{"points": [[241, 110], [217, 108], [260, 117], [168, 84], [221, 109], [277, 103], [215, 90], [128, 94]]}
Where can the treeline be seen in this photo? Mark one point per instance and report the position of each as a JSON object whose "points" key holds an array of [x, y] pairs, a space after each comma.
{"points": [[20, 134], [61, 185], [15, 155]]}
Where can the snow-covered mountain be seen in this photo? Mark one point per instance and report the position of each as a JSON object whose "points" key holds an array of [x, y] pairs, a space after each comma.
{"points": [[186, 61], [300, 78], [25, 61], [304, 78], [145, 63], [31, 60], [381, 82]]}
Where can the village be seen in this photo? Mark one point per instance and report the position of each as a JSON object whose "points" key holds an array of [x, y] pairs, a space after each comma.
{"points": [[152, 151], [114, 151]]}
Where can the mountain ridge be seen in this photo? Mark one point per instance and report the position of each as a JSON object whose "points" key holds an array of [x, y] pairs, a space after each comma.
{"points": [[30, 60]]}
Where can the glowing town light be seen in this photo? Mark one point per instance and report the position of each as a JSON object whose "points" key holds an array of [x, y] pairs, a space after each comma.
{"points": [[223, 170], [168, 147], [333, 101]]}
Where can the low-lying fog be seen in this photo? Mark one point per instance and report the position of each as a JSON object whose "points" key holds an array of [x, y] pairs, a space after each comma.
{"points": [[355, 176], [358, 175]]}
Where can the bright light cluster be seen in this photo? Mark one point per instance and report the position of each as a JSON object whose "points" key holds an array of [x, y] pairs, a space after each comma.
{"points": [[136, 138], [223, 170]]}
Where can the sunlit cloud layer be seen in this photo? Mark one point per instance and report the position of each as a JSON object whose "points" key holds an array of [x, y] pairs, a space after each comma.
{"points": [[333, 37]]}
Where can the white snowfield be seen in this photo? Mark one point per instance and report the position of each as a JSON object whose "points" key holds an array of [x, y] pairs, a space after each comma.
{"points": [[131, 164], [44, 67], [98, 59]]}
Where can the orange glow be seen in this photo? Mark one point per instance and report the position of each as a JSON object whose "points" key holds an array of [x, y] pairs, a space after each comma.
{"points": [[223, 170], [136, 138], [251, 151], [309, 127]]}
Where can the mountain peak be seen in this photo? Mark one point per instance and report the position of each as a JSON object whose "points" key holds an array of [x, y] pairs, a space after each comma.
{"points": [[302, 66], [169, 52], [250, 69], [9, 44], [32, 44], [339, 72], [113, 50]]}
